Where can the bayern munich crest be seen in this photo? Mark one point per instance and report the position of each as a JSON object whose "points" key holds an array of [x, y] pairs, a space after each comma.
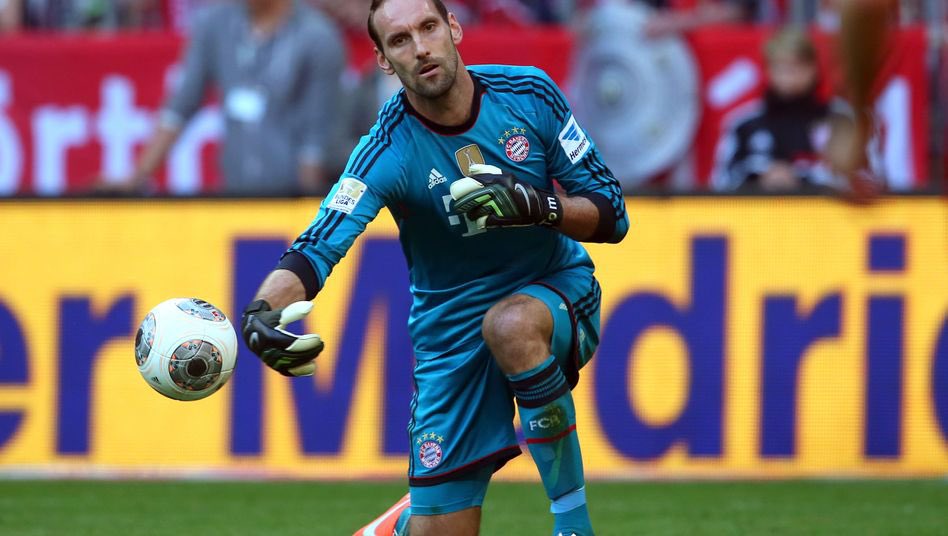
{"points": [[429, 450], [516, 145], [430, 454]]}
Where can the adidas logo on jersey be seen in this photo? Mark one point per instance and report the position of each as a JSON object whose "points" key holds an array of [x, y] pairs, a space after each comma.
{"points": [[435, 178]]}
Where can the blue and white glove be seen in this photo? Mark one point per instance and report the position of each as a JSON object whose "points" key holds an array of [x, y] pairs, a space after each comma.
{"points": [[265, 333]]}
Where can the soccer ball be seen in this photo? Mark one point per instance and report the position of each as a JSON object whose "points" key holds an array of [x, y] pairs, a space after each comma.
{"points": [[186, 348]]}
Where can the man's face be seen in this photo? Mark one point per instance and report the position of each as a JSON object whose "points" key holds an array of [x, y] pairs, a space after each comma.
{"points": [[418, 46], [790, 76]]}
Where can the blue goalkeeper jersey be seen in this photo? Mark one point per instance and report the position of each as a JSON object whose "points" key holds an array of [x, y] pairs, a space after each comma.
{"points": [[520, 122]]}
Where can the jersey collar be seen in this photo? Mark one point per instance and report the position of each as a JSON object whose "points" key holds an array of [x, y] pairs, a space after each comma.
{"points": [[453, 130]]}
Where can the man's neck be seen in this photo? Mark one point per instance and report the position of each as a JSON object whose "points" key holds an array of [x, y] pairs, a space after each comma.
{"points": [[269, 16], [451, 109]]}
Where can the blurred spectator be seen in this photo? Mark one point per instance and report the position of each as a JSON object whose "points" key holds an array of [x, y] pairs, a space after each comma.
{"points": [[141, 14], [90, 14], [911, 11], [71, 14], [350, 15], [778, 146], [704, 13], [512, 12], [179, 15], [869, 152], [677, 16], [10, 15], [904, 12], [276, 65]]}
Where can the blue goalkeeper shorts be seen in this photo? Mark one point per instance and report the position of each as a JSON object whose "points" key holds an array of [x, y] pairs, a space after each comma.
{"points": [[463, 409]]}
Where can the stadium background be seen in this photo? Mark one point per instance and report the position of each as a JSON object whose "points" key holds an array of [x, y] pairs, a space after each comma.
{"points": [[76, 105], [745, 337]]}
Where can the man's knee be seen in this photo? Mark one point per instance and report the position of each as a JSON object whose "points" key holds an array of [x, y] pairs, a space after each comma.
{"points": [[518, 330], [516, 320]]}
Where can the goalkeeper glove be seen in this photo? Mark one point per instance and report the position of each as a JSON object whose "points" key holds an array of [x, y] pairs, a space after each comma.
{"points": [[494, 198], [287, 353]]}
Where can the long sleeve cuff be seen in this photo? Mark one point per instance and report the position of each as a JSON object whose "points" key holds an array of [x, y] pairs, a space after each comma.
{"points": [[606, 228], [297, 263]]}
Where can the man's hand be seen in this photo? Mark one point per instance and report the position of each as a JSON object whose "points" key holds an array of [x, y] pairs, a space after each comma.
{"points": [[780, 177], [285, 352], [494, 198]]}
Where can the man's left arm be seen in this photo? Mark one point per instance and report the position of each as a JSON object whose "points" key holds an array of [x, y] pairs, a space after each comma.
{"points": [[580, 218], [593, 204], [591, 208]]}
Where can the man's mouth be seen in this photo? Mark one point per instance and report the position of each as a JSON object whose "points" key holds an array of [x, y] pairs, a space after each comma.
{"points": [[428, 68]]}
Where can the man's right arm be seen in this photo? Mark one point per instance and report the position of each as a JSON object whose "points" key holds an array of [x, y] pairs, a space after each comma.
{"points": [[285, 294], [154, 154], [370, 180], [281, 288]]}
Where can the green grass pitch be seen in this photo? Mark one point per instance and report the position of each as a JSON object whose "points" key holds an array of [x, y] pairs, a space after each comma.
{"points": [[78, 508]]}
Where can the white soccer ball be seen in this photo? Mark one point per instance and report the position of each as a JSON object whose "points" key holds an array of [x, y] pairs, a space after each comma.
{"points": [[186, 348]]}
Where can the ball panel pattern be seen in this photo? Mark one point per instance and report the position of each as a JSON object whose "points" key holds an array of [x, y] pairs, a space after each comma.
{"points": [[201, 309], [145, 339], [195, 365]]}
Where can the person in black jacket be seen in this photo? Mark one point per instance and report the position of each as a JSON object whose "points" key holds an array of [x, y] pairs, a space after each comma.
{"points": [[777, 144]]}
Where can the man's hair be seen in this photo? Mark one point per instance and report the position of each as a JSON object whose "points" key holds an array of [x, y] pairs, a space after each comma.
{"points": [[376, 4], [793, 41]]}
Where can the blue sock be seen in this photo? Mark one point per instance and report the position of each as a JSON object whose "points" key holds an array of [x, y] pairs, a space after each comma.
{"points": [[548, 419]]}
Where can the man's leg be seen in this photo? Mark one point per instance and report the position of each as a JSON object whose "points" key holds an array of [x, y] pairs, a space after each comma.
{"points": [[398, 521], [460, 432], [451, 507], [463, 523], [519, 331]]}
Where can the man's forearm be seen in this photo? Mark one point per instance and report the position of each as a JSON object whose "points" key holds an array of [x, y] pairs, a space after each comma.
{"points": [[580, 217], [281, 288], [154, 154]]}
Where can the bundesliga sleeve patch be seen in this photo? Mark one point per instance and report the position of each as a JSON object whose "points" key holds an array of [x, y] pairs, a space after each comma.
{"points": [[347, 196], [573, 140]]}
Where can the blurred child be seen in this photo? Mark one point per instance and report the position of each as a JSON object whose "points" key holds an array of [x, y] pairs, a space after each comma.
{"points": [[778, 146]]}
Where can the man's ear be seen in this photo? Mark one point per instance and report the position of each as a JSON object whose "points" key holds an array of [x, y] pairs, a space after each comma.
{"points": [[383, 62], [457, 33]]}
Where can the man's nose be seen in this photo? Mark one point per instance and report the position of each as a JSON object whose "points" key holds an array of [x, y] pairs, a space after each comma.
{"points": [[421, 48]]}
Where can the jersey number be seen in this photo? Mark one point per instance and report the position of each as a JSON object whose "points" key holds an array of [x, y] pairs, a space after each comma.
{"points": [[453, 219]]}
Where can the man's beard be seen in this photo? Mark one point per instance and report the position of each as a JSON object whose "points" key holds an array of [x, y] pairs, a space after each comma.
{"points": [[432, 89]]}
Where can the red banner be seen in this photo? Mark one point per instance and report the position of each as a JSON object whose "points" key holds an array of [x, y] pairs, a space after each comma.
{"points": [[72, 106]]}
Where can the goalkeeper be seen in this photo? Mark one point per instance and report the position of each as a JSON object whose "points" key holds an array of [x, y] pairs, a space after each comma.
{"points": [[505, 305]]}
